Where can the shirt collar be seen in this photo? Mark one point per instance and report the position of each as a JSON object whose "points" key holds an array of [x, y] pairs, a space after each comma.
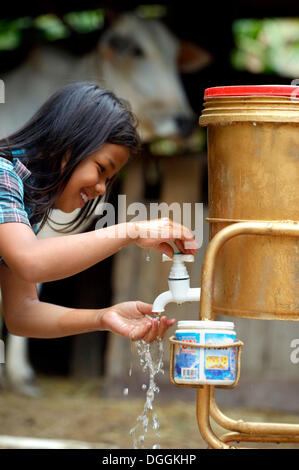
{"points": [[21, 170]]}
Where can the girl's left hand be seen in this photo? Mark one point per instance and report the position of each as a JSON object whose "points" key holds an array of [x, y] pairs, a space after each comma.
{"points": [[129, 319]]}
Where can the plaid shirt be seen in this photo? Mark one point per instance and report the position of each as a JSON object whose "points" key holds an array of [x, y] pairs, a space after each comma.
{"points": [[12, 207]]}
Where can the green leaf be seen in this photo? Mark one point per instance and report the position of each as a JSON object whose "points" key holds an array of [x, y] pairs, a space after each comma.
{"points": [[85, 21], [51, 26]]}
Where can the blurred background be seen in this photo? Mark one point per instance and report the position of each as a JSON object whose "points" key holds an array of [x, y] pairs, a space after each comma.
{"points": [[161, 57]]}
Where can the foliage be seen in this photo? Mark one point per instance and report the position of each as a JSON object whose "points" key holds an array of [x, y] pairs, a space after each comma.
{"points": [[11, 32], [52, 27], [268, 45], [49, 26], [85, 21]]}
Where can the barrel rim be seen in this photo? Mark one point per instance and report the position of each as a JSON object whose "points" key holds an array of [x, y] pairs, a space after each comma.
{"points": [[252, 90]]}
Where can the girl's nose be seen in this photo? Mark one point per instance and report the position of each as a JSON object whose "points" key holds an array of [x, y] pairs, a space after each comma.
{"points": [[100, 188]]}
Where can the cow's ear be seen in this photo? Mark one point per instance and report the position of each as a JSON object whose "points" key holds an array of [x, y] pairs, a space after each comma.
{"points": [[192, 57]]}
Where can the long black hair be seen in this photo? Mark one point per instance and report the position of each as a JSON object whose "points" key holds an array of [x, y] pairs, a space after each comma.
{"points": [[75, 121]]}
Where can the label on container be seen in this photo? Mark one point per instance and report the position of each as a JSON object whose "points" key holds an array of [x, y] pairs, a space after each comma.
{"points": [[187, 359], [220, 364]]}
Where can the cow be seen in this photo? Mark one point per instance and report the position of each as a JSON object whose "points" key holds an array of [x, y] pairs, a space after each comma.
{"points": [[140, 60]]}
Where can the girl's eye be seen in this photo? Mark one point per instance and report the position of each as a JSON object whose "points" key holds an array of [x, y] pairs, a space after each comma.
{"points": [[101, 168]]}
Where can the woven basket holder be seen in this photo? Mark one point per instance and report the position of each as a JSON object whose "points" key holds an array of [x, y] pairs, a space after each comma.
{"points": [[237, 344]]}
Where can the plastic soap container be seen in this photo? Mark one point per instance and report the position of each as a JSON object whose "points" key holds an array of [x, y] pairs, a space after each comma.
{"points": [[205, 365]]}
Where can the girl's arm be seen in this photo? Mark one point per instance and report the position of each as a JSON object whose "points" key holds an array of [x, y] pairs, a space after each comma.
{"points": [[49, 259], [55, 258], [26, 316]]}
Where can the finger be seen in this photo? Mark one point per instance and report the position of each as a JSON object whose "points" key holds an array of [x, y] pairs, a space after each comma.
{"points": [[187, 237], [140, 331], [184, 239], [144, 308], [165, 248], [171, 322], [179, 244], [187, 234], [182, 246], [162, 327], [152, 333], [182, 232], [190, 246]]}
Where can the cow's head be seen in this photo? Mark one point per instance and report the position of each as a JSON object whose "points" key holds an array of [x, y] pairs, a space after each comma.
{"points": [[140, 60]]}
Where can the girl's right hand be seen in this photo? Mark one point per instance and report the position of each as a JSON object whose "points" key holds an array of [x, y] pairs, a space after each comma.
{"points": [[156, 233], [133, 320]]}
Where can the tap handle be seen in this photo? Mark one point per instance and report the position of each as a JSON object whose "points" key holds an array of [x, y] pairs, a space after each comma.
{"points": [[178, 256]]}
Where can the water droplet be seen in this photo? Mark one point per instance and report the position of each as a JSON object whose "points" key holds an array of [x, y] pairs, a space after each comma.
{"points": [[156, 424], [144, 386], [125, 391]]}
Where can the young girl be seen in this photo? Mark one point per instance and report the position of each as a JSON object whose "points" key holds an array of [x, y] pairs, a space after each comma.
{"points": [[66, 157]]}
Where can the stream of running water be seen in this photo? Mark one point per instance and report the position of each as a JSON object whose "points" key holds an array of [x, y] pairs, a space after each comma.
{"points": [[151, 360]]}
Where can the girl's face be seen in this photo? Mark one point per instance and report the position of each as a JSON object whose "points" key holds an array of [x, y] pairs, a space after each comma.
{"points": [[91, 176]]}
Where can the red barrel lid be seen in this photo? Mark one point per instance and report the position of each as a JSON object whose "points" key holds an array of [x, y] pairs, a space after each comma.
{"points": [[252, 90]]}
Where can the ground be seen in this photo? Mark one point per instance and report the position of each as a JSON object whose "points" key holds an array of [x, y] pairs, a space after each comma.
{"points": [[77, 410]]}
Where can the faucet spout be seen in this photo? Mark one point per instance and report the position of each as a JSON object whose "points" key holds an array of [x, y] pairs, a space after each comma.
{"points": [[192, 295], [161, 301]]}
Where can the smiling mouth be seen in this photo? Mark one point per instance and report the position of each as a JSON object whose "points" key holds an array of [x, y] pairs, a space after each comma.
{"points": [[84, 197]]}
